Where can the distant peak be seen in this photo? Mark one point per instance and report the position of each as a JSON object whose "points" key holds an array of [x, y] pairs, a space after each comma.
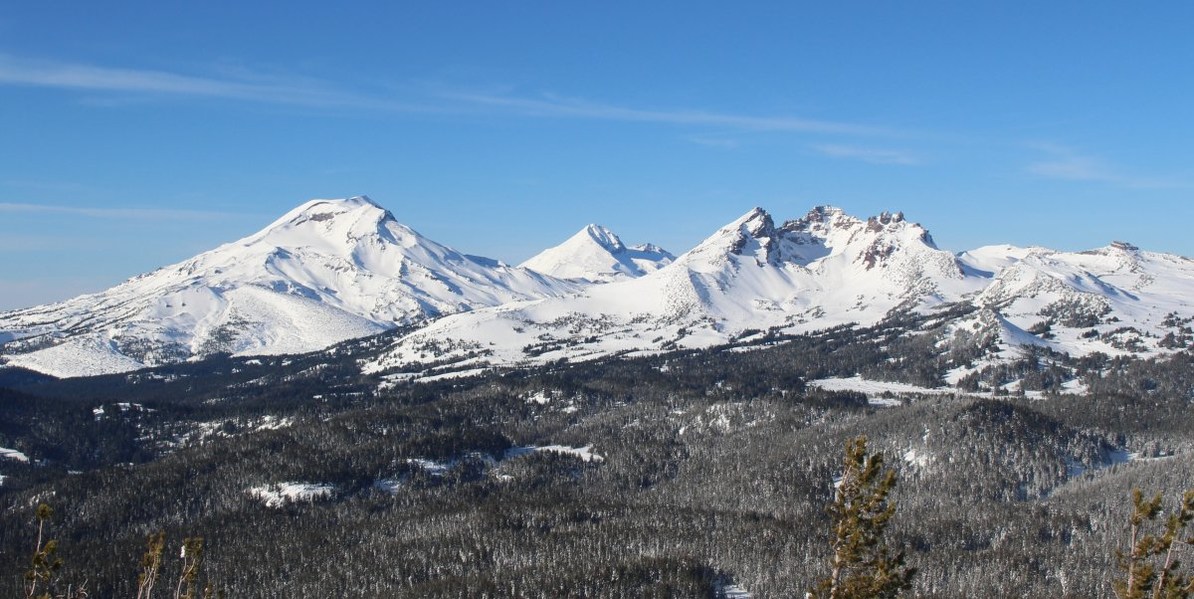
{"points": [[820, 220], [757, 222], [652, 249], [753, 232], [334, 205], [885, 218], [361, 200], [1115, 248], [596, 254], [823, 213], [341, 204], [355, 212], [603, 237]]}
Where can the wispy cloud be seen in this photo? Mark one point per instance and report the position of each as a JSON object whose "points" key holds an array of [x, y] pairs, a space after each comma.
{"points": [[251, 86], [1065, 163], [724, 143], [559, 107], [871, 155], [121, 213], [241, 85]]}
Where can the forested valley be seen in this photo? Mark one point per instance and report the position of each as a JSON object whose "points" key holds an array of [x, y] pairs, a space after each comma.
{"points": [[678, 475]]}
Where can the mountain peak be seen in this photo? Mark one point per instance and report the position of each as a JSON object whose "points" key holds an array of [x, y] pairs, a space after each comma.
{"points": [[326, 271], [596, 254], [342, 219], [757, 225], [361, 199], [821, 221], [884, 220], [758, 222], [824, 213], [603, 237], [751, 234], [336, 206]]}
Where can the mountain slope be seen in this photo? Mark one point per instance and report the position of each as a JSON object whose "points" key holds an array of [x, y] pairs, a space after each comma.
{"points": [[1117, 299], [327, 271], [596, 254], [332, 270], [822, 270]]}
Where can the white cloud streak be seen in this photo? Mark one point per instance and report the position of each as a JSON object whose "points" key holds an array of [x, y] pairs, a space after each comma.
{"points": [[245, 87], [870, 155], [1066, 164], [118, 213], [714, 142], [255, 87], [557, 107]]}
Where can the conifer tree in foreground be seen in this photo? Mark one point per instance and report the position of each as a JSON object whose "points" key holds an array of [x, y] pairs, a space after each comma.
{"points": [[151, 564], [45, 562], [862, 565], [41, 578], [1151, 568]]}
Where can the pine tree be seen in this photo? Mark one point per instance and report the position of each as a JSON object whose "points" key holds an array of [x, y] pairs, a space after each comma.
{"points": [[192, 558], [1151, 568], [862, 565], [45, 562], [41, 577], [151, 564]]}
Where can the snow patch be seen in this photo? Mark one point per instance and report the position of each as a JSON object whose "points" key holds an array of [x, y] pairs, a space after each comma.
{"points": [[12, 454], [540, 397], [389, 486], [875, 390], [279, 494], [734, 591], [585, 453], [914, 457], [431, 467]]}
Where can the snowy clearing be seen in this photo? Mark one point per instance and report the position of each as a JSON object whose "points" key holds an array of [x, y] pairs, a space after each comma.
{"points": [[279, 494], [874, 390], [584, 453], [735, 592], [12, 454]]}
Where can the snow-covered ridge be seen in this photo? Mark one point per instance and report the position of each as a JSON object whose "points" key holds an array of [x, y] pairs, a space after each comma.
{"points": [[815, 272], [828, 268], [597, 254], [332, 270], [327, 271]]}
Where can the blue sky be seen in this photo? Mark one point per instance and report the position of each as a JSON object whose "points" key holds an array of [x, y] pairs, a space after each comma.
{"points": [[136, 134]]}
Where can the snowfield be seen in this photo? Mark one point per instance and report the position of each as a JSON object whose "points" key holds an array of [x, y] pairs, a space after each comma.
{"points": [[279, 494], [877, 391], [328, 271], [585, 453], [12, 454], [332, 270]]}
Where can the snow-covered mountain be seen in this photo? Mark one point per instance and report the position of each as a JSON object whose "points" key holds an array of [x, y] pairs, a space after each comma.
{"points": [[596, 254], [327, 271], [824, 269], [1116, 300], [332, 270]]}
